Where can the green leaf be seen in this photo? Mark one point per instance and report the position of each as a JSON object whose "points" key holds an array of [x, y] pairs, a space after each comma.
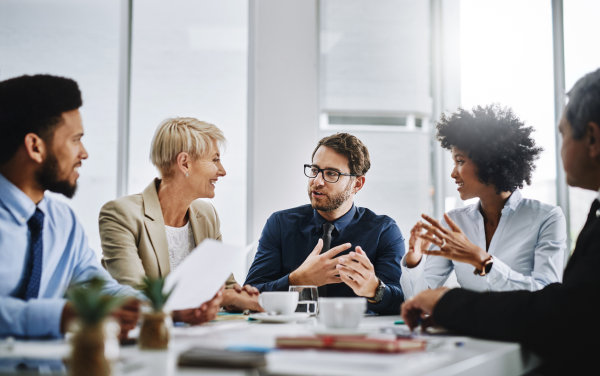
{"points": [[153, 289], [90, 301]]}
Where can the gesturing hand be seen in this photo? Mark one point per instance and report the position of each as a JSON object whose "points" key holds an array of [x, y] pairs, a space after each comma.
{"points": [[357, 272], [453, 244], [415, 246], [415, 309], [318, 270]]}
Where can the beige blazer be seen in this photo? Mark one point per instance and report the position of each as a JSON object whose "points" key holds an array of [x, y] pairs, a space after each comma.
{"points": [[134, 240]]}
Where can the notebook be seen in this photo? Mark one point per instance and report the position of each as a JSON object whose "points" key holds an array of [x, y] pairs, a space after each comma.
{"points": [[352, 343]]}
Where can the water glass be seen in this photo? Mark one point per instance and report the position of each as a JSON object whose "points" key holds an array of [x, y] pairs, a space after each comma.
{"points": [[309, 299]]}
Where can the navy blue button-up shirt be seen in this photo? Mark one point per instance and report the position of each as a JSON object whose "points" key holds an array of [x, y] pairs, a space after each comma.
{"points": [[291, 235]]}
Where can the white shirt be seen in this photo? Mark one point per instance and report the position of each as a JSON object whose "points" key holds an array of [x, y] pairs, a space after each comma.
{"points": [[180, 242], [528, 247]]}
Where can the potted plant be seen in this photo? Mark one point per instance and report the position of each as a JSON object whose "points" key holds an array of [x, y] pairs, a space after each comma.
{"points": [[154, 333], [95, 337]]}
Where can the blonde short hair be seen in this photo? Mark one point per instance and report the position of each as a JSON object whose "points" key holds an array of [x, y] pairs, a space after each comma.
{"points": [[177, 135]]}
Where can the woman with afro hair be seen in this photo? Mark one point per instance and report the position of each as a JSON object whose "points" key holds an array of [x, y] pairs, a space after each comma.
{"points": [[504, 241]]}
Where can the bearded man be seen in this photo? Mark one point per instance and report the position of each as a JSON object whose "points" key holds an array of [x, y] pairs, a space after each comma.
{"points": [[345, 250], [43, 248]]}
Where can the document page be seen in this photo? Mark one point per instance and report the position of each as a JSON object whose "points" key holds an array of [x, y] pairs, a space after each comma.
{"points": [[201, 275]]}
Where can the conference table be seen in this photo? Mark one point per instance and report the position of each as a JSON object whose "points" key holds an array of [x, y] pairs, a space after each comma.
{"points": [[446, 354]]}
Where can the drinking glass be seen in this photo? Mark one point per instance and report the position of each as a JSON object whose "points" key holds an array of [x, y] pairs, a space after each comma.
{"points": [[309, 299]]}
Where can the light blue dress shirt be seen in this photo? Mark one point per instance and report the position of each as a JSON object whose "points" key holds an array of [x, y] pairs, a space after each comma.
{"points": [[66, 259], [528, 247]]}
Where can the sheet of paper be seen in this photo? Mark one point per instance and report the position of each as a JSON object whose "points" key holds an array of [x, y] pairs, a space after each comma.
{"points": [[202, 330], [201, 275]]}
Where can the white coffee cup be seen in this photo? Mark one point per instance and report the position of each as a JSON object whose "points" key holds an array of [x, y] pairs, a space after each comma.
{"points": [[342, 313], [279, 302]]}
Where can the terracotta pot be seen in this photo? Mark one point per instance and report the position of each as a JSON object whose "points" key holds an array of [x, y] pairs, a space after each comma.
{"points": [[154, 333], [88, 357]]}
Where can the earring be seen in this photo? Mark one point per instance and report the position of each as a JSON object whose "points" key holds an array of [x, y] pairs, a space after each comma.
{"points": [[187, 174]]}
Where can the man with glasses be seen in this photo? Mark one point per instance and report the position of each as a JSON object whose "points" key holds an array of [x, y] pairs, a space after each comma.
{"points": [[345, 250]]}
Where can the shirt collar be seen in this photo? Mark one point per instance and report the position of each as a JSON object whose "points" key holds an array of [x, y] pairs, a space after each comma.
{"points": [[513, 201], [339, 224], [16, 201], [598, 197]]}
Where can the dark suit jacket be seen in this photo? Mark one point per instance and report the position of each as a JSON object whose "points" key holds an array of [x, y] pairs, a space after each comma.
{"points": [[291, 235], [559, 322]]}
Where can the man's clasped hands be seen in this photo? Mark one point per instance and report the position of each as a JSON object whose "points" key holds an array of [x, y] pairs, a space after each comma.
{"points": [[354, 269]]}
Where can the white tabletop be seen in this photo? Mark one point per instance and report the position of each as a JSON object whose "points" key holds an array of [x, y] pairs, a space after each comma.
{"points": [[471, 357]]}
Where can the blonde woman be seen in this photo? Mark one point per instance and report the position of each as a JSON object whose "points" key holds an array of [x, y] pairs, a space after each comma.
{"points": [[151, 233]]}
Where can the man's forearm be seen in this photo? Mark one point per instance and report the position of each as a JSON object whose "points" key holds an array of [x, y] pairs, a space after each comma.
{"points": [[33, 318], [390, 304], [281, 284], [295, 279]]}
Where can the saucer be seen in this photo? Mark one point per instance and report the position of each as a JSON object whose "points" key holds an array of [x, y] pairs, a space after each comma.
{"points": [[265, 317], [324, 331]]}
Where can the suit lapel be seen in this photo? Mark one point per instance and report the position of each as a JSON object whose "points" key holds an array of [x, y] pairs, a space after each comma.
{"points": [[583, 237], [197, 221], [155, 225]]}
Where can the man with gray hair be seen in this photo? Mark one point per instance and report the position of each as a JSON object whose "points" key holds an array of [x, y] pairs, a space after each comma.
{"points": [[546, 321]]}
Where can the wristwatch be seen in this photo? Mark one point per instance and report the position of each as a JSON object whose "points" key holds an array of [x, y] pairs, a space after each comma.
{"points": [[378, 293], [487, 267]]}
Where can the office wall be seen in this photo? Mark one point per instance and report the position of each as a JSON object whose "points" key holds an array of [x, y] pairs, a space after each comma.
{"points": [[283, 106], [79, 40], [376, 61]]}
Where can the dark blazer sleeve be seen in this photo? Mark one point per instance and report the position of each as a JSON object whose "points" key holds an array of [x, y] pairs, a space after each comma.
{"points": [[266, 271], [387, 269], [553, 322]]}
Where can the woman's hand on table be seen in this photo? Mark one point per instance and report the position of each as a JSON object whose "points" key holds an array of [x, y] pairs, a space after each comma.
{"points": [[206, 312], [237, 301], [247, 288], [415, 246], [453, 243]]}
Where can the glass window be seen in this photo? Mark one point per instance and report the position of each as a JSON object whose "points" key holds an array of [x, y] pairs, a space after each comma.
{"points": [[374, 79], [79, 40], [581, 56], [189, 59], [513, 66]]}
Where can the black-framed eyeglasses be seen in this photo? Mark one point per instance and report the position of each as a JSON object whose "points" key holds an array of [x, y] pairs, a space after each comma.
{"points": [[330, 176]]}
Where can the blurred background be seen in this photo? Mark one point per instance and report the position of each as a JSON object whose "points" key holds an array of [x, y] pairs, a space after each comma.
{"points": [[276, 76]]}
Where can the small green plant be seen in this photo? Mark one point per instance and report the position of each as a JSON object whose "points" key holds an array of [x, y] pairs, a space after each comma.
{"points": [[154, 292], [91, 303]]}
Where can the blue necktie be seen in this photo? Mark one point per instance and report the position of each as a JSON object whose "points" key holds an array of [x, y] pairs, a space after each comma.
{"points": [[33, 270]]}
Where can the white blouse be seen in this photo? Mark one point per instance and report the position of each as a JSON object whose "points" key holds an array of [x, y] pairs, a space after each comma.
{"points": [[528, 246], [180, 242]]}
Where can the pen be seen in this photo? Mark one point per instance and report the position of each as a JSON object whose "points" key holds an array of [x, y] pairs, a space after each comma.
{"points": [[418, 328]]}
